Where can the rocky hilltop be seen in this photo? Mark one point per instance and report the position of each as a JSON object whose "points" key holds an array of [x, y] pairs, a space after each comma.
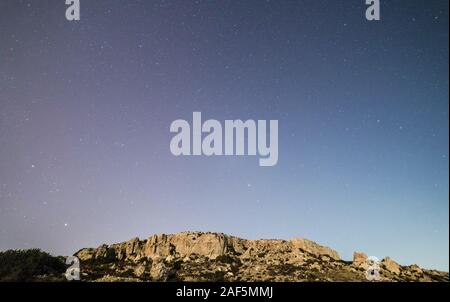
{"points": [[197, 256]]}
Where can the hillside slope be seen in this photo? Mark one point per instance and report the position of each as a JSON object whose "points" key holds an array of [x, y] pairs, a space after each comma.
{"points": [[197, 256]]}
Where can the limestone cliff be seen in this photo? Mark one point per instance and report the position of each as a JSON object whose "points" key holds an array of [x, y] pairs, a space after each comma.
{"points": [[197, 256]]}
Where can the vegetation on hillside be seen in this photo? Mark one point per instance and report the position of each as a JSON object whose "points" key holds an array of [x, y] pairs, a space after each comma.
{"points": [[30, 265]]}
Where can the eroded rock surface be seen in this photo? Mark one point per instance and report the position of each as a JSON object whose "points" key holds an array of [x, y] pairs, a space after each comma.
{"points": [[197, 256]]}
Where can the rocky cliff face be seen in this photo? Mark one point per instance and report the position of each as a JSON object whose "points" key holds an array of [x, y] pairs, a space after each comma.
{"points": [[196, 256]]}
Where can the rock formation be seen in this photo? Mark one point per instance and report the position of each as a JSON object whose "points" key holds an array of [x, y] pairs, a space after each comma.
{"points": [[197, 256]]}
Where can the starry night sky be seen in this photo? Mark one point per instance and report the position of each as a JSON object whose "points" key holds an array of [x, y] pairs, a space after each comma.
{"points": [[85, 110]]}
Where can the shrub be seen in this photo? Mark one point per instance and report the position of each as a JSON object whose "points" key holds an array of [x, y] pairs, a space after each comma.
{"points": [[26, 265]]}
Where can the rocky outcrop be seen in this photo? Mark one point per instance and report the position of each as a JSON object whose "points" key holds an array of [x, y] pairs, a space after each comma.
{"points": [[391, 266], [197, 256], [360, 259], [209, 245], [162, 246], [159, 271], [314, 248]]}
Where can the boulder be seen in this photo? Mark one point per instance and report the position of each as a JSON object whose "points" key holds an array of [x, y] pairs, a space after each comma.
{"points": [[415, 269]]}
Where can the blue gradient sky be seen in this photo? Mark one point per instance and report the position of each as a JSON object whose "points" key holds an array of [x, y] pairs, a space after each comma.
{"points": [[362, 109]]}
